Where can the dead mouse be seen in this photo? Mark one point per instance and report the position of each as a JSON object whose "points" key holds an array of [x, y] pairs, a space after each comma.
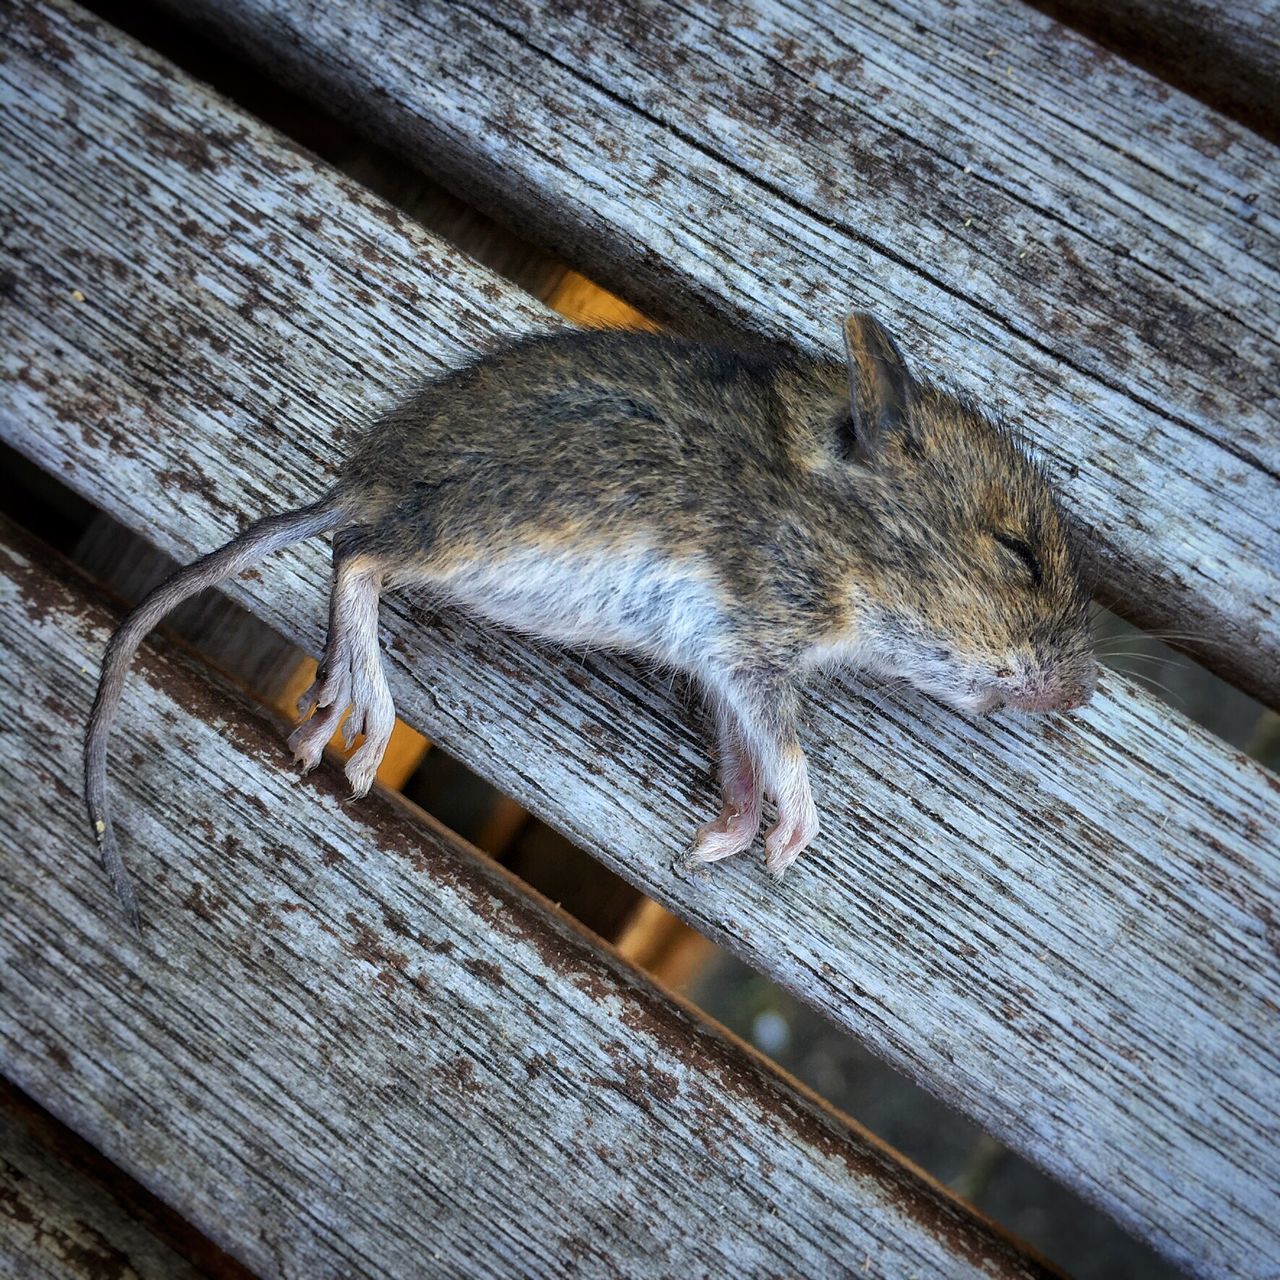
{"points": [[741, 517]]}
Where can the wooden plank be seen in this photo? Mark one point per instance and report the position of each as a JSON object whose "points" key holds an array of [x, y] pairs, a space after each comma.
{"points": [[1226, 54], [66, 1210], [354, 1046], [1057, 232], [1063, 927], [58, 1222]]}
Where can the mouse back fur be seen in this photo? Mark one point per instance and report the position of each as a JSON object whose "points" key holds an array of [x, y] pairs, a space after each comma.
{"points": [[810, 511]]}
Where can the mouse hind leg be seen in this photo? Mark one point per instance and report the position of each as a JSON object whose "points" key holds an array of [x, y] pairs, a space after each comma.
{"points": [[351, 674]]}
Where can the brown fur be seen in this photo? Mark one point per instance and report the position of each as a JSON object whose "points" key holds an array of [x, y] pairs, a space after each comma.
{"points": [[776, 512], [588, 437]]}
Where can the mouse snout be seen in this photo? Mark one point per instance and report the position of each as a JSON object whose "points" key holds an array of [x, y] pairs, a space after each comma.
{"points": [[1067, 699], [1037, 689], [1073, 699]]}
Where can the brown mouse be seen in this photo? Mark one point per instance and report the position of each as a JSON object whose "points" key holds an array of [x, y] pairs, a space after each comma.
{"points": [[742, 517]]}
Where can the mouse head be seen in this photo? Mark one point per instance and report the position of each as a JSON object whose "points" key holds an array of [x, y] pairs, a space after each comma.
{"points": [[979, 600]]}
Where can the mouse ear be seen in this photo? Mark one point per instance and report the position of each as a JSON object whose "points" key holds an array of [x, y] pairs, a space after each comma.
{"points": [[880, 387]]}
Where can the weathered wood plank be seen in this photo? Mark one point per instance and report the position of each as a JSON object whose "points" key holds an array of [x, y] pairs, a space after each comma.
{"points": [[353, 1047], [56, 1224], [1060, 233], [1065, 928], [1226, 54]]}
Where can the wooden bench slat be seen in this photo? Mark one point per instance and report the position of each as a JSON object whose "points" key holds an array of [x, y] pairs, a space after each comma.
{"points": [[351, 1046], [56, 1223], [1226, 52], [1065, 928], [1058, 232]]}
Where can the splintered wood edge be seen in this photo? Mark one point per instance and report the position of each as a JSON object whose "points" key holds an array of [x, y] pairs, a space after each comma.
{"points": [[321, 963]]}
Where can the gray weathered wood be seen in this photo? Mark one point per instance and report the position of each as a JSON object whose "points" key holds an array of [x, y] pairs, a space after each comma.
{"points": [[57, 1223], [351, 1047], [1226, 53], [1064, 927], [1053, 229]]}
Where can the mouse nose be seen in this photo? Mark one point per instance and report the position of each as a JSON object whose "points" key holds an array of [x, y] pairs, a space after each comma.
{"points": [[1073, 696], [1055, 698], [1075, 693]]}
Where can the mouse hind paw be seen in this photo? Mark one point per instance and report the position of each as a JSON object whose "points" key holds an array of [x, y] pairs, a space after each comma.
{"points": [[371, 714], [374, 715], [350, 676], [322, 708]]}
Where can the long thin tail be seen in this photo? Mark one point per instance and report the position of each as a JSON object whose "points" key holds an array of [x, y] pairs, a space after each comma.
{"points": [[256, 542]]}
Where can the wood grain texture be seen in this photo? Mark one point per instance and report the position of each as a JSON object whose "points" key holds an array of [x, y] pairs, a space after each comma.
{"points": [[57, 1223], [1065, 927], [350, 1047], [77, 1173], [1226, 54], [1048, 227]]}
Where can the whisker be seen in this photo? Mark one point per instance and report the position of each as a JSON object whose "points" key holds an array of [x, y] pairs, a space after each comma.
{"points": [[884, 689], [1135, 656], [1176, 639], [1156, 687], [1181, 636]]}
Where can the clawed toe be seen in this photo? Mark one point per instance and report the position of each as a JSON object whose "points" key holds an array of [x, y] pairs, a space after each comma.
{"points": [[730, 833], [712, 846], [362, 769], [311, 699], [321, 708], [375, 719], [309, 739], [787, 839], [370, 715]]}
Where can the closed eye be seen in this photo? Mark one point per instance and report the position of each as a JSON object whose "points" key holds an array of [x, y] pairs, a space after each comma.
{"points": [[1024, 553]]}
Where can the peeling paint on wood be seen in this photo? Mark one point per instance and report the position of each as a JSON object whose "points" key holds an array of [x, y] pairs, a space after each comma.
{"points": [[1066, 928], [1054, 230], [350, 1046]]}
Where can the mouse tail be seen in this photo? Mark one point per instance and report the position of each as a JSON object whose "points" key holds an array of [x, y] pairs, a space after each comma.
{"points": [[242, 552]]}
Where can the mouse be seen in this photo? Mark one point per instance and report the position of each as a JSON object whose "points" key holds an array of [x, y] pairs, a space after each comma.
{"points": [[746, 517]]}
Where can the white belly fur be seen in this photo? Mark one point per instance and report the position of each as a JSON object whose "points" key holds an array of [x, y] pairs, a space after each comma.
{"points": [[636, 599]]}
